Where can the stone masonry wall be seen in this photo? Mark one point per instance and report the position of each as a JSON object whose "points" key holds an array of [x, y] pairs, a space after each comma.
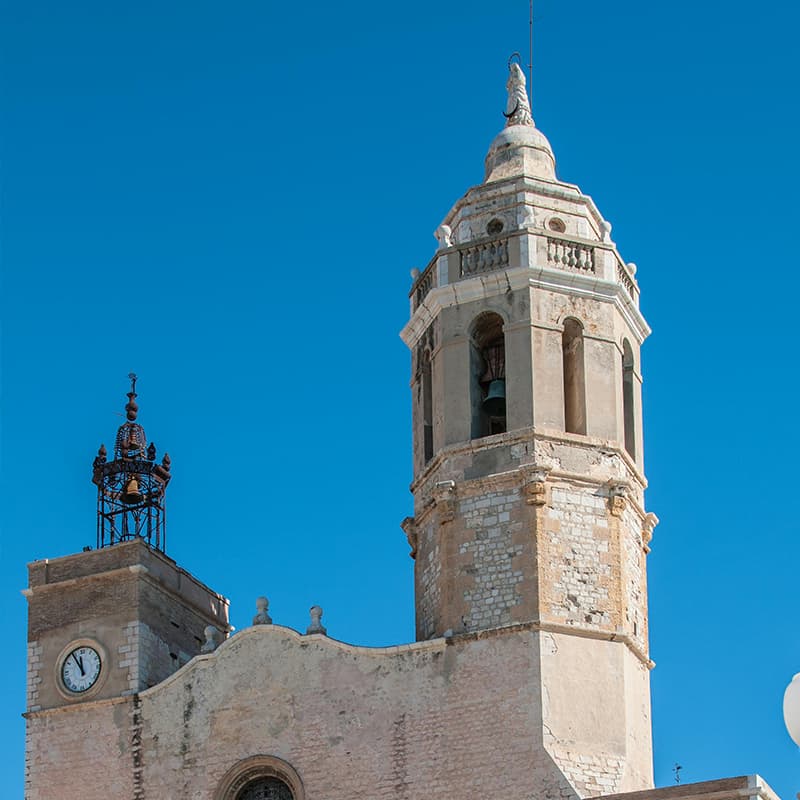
{"points": [[491, 554], [635, 583], [34, 677], [459, 717], [576, 559], [145, 614], [428, 578], [498, 549], [83, 753]]}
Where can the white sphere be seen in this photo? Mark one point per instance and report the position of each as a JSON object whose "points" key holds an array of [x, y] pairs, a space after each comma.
{"points": [[791, 709]]}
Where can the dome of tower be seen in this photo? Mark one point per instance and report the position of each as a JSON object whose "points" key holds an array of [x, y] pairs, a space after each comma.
{"points": [[520, 150]]}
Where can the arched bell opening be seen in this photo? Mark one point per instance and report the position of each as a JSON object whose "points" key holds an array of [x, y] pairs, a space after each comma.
{"points": [[628, 411], [574, 377], [488, 376]]}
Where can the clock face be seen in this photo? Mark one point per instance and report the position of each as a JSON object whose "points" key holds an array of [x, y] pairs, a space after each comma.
{"points": [[81, 669]]}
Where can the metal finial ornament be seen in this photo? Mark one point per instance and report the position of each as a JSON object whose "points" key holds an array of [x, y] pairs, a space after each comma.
{"points": [[131, 408], [131, 486]]}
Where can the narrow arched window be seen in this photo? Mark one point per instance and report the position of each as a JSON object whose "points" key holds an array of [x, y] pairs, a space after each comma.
{"points": [[574, 377], [427, 407], [628, 413], [488, 376]]}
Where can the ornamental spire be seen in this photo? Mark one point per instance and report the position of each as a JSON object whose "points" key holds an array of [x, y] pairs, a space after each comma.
{"points": [[518, 108], [131, 409]]}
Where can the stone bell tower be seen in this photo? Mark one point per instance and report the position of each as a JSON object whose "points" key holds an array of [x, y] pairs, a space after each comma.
{"points": [[528, 483]]}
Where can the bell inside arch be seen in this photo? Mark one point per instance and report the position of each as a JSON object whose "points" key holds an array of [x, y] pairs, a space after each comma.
{"points": [[494, 403], [131, 494]]}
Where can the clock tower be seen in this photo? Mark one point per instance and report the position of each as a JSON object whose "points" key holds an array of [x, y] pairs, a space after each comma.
{"points": [[109, 622]]}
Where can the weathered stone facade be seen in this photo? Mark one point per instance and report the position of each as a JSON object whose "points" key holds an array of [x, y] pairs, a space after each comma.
{"points": [[136, 605], [407, 721]]}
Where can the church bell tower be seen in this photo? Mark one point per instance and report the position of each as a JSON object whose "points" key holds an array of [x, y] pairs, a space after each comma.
{"points": [[528, 485], [113, 621]]}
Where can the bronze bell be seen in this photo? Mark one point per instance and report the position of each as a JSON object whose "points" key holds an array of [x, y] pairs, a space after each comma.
{"points": [[495, 402], [131, 494]]}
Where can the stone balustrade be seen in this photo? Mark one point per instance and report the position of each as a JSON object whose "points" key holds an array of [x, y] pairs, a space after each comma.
{"points": [[423, 284], [484, 257], [564, 254], [548, 251], [627, 281]]}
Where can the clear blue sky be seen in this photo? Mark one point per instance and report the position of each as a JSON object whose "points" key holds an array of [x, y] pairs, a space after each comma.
{"points": [[227, 198]]}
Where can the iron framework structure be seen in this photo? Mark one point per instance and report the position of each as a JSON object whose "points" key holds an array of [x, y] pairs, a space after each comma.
{"points": [[131, 488]]}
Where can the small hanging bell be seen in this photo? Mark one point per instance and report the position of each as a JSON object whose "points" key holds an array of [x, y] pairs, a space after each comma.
{"points": [[495, 402], [131, 494]]}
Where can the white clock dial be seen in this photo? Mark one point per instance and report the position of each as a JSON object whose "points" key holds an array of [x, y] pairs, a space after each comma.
{"points": [[81, 669]]}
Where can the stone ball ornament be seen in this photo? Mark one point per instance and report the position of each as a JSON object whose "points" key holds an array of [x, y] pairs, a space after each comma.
{"points": [[791, 709]]}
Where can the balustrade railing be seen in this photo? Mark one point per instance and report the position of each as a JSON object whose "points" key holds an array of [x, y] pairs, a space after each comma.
{"points": [[626, 281], [570, 255], [490, 255], [423, 284], [484, 257]]}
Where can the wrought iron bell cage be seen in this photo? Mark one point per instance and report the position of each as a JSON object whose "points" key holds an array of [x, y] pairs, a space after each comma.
{"points": [[131, 488]]}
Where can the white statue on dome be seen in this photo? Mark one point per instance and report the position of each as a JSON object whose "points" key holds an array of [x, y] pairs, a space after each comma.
{"points": [[518, 109]]}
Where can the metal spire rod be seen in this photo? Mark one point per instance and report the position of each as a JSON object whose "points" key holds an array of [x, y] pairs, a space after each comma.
{"points": [[530, 53]]}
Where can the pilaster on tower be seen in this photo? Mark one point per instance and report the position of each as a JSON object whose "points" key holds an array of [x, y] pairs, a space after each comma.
{"points": [[528, 483]]}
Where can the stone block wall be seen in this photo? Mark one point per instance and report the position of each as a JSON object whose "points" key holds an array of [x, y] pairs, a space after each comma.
{"points": [[145, 613], [576, 557], [81, 753], [492, 557], [563, 547], [464, 717]]}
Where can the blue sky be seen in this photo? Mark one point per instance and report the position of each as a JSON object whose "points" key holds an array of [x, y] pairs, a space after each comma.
{"points": [[228, 199]]}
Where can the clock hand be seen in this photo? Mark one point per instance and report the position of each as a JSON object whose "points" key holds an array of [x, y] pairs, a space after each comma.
{"points": [[79, 662]]}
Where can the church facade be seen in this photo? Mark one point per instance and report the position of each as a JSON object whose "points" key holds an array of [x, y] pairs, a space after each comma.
{"points": [[530, 674]]}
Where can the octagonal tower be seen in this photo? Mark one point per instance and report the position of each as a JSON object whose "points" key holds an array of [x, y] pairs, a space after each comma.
{"points": [[528, 486]]}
